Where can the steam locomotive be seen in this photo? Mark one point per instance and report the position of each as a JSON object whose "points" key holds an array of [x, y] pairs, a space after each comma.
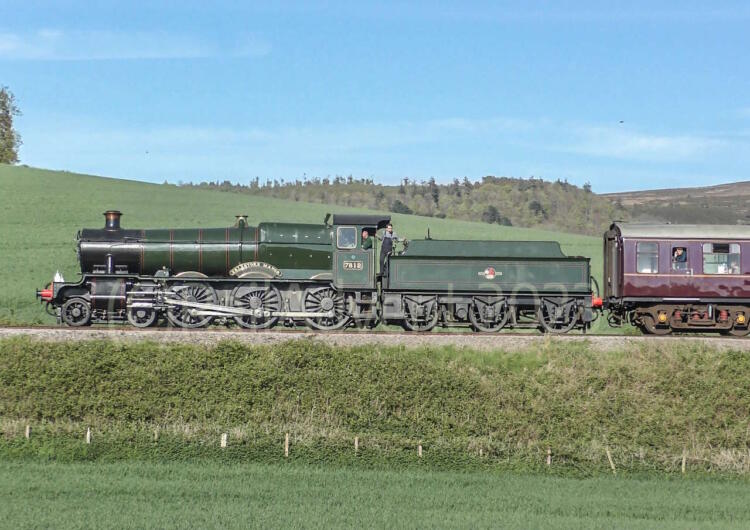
{"points": [[318, 275]]}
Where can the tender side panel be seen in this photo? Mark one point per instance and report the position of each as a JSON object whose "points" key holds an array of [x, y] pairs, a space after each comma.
{"points": [[436, 248], [505, 276]]}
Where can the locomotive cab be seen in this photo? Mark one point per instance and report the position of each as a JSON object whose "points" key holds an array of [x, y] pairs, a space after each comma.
{"points": [[354, 268]]}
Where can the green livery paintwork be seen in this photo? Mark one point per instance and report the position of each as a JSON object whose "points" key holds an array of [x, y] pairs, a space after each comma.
{"points": [[354, 269], [483, 249], [567, 275], [300, 251]]}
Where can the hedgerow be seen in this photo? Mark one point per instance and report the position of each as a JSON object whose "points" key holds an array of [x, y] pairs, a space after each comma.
{"points": [[651, 407]]}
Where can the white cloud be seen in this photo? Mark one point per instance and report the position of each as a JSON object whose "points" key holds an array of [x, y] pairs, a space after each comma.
{"points": [[57, 45], [611, 142]]}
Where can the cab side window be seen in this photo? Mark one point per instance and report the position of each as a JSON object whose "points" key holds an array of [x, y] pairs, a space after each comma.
{"points": [[679, 258], [721, 258], [647, 257], [346, 237]]}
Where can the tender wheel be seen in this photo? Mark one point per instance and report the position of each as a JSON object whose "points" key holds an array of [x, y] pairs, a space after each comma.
{"points": [[185, 316], [257, 298], [141, 317], [76, 312], [488, 317], [557, 316], [421, 316], [325, 299], [650, 327]]}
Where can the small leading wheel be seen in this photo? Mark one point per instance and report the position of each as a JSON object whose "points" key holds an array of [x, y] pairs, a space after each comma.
{"points": [[256, 297], [185, 316], [76, 312], [488, 317], [325, 300], [557, 316], [421, 316], [649, 326], [141, 317]]}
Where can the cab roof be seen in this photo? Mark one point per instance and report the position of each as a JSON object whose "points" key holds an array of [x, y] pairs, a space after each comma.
{"points": [[380, 221]]}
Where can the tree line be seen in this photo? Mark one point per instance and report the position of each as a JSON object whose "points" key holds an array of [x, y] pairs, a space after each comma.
{"points": [[507, 201]]}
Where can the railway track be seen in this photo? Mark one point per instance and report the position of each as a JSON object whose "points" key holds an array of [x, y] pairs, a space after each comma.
{"points": [[476, 341]]}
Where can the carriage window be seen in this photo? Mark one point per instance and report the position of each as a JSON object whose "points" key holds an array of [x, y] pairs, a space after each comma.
{"points": [[679, 258], [721, 258], [647, 257], [346, 237]]}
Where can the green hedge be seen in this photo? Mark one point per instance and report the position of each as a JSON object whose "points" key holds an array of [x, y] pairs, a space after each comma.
{"points": [[469, 409]]}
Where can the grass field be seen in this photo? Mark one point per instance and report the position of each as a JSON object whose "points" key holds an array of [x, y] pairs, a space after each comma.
{"points": [[41, 212], [212, 495]]}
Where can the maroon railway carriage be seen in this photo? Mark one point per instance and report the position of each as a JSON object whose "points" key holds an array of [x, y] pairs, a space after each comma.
{"points": [[678, 277]]}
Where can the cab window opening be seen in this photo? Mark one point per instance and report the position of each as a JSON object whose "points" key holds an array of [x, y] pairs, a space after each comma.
{"points": [[346, 237], [721, 258], [647, 257]]}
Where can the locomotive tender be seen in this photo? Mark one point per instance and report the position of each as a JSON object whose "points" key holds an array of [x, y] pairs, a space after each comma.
{"points": [[290, 274]]}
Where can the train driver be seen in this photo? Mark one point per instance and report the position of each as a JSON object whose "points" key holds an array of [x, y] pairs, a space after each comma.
{"points": [[366, 239]]}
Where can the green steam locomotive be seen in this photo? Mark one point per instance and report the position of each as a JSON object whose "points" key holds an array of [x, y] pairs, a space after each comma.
{"points": [[318, 275]]}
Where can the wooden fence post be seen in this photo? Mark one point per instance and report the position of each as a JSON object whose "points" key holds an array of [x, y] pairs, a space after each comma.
{"points": [[88, 435], [684, 458], [549, 456], [419, 449], [286, 445], [27, 432], [223, 440], [611, 462], [356, 444]]}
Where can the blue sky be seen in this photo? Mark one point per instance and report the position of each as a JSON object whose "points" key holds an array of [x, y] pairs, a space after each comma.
{"points": [[625, 95]]}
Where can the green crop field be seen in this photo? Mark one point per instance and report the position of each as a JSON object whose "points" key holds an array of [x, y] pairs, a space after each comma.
{"points": [[41, 211], [213, 495]]}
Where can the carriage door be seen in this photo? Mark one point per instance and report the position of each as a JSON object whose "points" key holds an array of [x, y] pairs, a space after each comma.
{"points": [[352, 266]]}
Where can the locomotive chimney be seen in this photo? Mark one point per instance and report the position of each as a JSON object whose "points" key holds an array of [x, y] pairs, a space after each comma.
{"points": [[112, 219], [240, 221]]}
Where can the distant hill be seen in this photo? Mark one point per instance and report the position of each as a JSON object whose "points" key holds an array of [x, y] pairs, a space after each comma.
{"points": [[529, 203], [722, 204]]}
